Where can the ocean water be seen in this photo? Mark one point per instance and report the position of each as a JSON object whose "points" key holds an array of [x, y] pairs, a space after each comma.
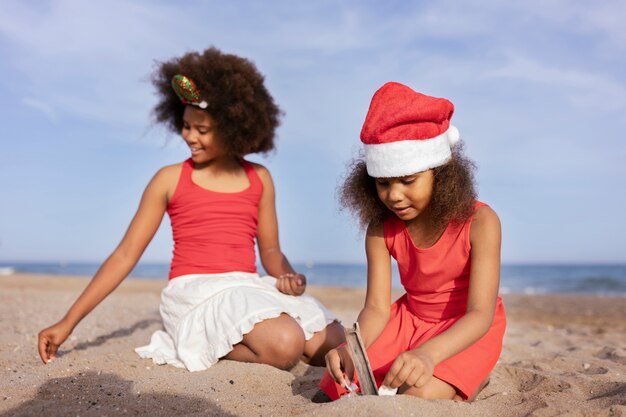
{"points": [[526, 279]]}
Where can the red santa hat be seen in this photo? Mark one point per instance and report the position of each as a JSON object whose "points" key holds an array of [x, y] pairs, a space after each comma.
{"points": [[406, 132]]}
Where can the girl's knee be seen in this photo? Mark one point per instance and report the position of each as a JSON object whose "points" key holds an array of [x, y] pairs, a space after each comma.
{"points": [[285, 346], [287, 349], [289, 340], [336, 334], [278, 342]]}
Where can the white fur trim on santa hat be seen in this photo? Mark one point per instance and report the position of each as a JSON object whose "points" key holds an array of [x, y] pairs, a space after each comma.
{"points": [[406, 157]]}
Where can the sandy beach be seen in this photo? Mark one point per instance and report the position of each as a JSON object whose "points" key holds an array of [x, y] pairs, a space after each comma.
{"points": [[563, 355]]}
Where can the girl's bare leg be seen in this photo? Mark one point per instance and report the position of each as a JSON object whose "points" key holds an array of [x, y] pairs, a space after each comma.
{"points": [[278, 342], [435, 389], [316, 348]]}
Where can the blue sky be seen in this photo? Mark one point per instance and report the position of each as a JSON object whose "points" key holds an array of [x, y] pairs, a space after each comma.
{"points": [[539, 89]]}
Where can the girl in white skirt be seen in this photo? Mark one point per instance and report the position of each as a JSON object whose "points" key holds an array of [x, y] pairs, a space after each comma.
{"points": [[216, 305]]}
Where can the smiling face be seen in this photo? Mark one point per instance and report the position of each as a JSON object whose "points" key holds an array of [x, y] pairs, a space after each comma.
{"points": [[200, 135], [407, 197]]}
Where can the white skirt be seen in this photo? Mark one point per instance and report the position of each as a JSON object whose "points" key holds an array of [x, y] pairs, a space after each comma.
{"points": [[205, 315]]}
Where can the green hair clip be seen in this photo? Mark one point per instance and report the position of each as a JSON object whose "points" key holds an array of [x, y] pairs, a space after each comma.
{"points": [[186, 90]]}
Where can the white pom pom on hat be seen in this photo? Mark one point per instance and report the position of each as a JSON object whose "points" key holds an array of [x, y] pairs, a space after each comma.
{"points": [[406, 132], [453, 135]]}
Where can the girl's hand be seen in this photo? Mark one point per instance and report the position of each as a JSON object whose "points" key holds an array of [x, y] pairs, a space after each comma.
{"points": [[291, 284], [339, 365], [50, 339], [413, 368]]}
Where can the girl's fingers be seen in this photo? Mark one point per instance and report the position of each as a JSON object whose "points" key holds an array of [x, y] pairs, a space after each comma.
{"points": [[47, 349], [410, 368], [422, 380], [52, 351], [299, 285], [293, 286], [302, 285], [412, 379], [43, 349], [285, 284], [293, 282], [333, 365], [402, 376], [281, 285], [301, 279], [404, 371], [393, 371]]}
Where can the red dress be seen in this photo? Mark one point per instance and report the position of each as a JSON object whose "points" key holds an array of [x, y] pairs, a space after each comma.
{"points": [[436, 281], [213, 232]]}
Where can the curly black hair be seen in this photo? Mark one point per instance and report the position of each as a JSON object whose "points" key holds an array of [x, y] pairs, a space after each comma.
{"points": [[242, 109], [454, 192]]}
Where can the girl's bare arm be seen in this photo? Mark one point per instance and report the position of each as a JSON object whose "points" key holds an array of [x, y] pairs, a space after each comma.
{"points": [[273, 260], [118, 265], [375, 314]]}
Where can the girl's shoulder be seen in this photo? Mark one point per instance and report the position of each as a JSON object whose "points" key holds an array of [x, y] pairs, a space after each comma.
{"points": [[484, 212], [258, 167], [375, 229], [166, 179], [261, 171], [169, 173], [484, 222]]}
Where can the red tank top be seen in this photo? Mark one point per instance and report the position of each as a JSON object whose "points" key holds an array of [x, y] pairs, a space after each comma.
{"points": [[436, 279], [213, 232]]}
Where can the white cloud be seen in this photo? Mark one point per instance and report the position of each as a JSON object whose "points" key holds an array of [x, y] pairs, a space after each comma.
{"points": [[40, 106], [601, 18], [581, 88], [71, 29], [87, 59]]}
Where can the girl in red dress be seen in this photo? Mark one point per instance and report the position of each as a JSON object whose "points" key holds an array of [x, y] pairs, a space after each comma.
{"points": [[414, 190], [215, 305]]}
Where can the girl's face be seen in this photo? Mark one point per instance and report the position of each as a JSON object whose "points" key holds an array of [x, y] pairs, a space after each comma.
{"points": [[199, 133], [408, 196]]}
